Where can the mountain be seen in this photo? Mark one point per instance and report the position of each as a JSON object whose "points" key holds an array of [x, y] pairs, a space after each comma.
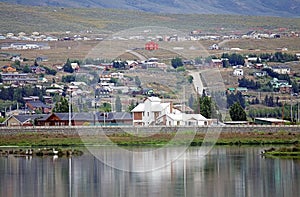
{"points": [[281, 8], [17, 18]]}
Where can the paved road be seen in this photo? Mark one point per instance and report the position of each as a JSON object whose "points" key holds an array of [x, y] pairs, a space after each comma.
{"points": [[198, 85]]}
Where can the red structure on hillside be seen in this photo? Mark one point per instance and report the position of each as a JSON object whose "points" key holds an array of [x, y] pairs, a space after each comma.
{"points": [[151, 46]]}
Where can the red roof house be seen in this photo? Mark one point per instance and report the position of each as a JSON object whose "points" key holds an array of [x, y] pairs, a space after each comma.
{"points": [[151, 46]]}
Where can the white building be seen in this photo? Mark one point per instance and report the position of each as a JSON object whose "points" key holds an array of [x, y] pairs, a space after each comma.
{"points": [[182, 119], [153, 112], [146, 113], [281, 69], [238, 72]]}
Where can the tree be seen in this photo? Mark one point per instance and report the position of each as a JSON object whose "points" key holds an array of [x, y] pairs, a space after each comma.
{"points": [[68, 78], [62, 106], [198, 60], [137, 81], [105, 107], [26, 69], [238, 97], [208, 107], [191, 101], [118, 104], [190, 79], [176, 62], [237, 113], [295, 87], [131, 106], [67, 67]]}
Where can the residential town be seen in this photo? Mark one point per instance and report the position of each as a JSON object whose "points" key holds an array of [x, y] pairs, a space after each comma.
{"points": [[122, 91]]}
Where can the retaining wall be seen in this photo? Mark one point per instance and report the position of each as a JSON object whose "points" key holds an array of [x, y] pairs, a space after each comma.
{"points": [[74, 130]]}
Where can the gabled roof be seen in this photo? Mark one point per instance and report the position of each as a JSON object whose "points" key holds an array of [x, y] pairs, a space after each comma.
{"points": [[89, 116], [139, 108], [186, 117], [25, 118], [114, 116], [83, 116], [153, 99], [122, 116]]}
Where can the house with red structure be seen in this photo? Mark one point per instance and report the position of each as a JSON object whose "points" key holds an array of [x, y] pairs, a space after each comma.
{"points": [[151, 46]]}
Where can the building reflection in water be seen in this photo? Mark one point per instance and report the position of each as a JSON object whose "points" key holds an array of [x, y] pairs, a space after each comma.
{"points": [[225, 172]]}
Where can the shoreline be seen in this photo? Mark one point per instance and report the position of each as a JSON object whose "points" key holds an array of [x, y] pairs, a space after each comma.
{"points": [[34, 139]]}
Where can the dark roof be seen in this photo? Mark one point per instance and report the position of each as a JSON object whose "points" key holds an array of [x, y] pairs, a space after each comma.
{"points": [[89, 116], [280, 67], [24, 118], [37, 104], [83, 116], [109, 116], [62, 116], [122, 116]]}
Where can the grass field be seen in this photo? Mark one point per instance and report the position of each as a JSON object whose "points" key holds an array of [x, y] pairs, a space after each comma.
{"points": [[56, 139], [16, 18]]}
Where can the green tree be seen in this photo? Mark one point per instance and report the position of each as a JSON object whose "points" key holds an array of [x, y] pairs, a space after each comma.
{"points": [[62, 106], [118, 104], [198, 60], [295, 87], [105, 107], [67, 67], [131, 106], [207, 107], [176, 62], [191, 101], [68, 78], [26, 69], [180, 69], [238, 97], [137, 81], [237, 113]]}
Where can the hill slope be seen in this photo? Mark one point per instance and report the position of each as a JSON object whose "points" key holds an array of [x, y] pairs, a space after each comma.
{"points": [[283, 8], [16, 18]]}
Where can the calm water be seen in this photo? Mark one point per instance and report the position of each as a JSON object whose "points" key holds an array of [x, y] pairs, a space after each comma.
{"points": [[226, 171]]}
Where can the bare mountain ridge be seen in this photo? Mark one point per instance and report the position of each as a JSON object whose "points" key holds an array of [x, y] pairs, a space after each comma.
{"points": [[282, 8]]}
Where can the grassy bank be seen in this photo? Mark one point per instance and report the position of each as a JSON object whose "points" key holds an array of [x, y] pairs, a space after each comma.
{"points": [[124, 139], [283, 152]]}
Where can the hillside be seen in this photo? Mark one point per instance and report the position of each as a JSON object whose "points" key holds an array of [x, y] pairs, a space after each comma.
{"points": [[286, 8], [16, 18]]}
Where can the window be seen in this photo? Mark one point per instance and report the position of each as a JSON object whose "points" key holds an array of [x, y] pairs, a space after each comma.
{"points": [[148, 114]]}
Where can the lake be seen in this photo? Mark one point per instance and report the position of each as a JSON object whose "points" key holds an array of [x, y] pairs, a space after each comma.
{"points": [[226, 171]]}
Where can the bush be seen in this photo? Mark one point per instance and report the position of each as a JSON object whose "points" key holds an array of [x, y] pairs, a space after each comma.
{"points": [[180, 69]]}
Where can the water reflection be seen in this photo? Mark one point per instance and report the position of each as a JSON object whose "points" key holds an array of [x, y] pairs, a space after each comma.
{"points": [[225, 172]]}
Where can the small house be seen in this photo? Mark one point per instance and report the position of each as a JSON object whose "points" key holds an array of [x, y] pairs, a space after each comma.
{"points": [[238, 72], [260, 74], [150, 46], [281, 69]]}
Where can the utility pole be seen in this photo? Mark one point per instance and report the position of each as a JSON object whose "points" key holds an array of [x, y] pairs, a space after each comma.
{"points": [[95, 109], [291, 108], [282, 113], [297, 112], [198, 94], [70, 103]]}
